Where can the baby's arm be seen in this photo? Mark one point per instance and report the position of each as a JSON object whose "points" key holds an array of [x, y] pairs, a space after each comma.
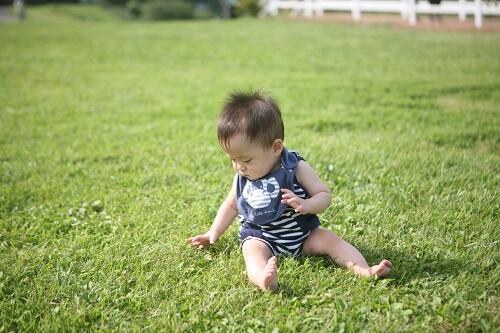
{"points": [[225, 216], [320, 198]]}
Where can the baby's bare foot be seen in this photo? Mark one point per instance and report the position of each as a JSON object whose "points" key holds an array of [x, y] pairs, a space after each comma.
{"points": [[380, 270], [270, 281]]}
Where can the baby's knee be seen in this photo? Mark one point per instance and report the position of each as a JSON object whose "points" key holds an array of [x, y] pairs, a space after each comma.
{"points": [[320, 242], [326, 235]]}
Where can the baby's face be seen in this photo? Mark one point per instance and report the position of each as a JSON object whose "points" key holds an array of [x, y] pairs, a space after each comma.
{"points": [[251, 160]]}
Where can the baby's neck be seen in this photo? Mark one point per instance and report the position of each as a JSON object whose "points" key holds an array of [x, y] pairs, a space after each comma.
{"points": [[276, 165]]}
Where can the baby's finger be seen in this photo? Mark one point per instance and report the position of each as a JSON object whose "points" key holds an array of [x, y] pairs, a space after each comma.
{"points": [[298, 208], [201, 240], [286, 190], [292, 197], [193, 239]]}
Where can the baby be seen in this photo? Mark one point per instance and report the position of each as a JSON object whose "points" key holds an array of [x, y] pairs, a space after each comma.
{"points": [[276, 194]]}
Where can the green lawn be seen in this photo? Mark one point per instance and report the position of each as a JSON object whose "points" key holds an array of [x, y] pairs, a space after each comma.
{"points": [[403, 125]]}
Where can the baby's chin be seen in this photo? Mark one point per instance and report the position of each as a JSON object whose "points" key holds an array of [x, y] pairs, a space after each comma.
{"points": [[251, 178]]}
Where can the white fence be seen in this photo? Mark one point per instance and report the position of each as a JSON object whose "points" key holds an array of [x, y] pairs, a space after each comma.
{"points": [[409, 9]]}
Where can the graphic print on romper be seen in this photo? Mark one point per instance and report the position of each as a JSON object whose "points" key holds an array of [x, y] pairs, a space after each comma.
{"points": [[259, 201], [260, 193], [264, 217]]}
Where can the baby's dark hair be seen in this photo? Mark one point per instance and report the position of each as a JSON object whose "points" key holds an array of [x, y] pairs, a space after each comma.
{"points": [[253, 114]]}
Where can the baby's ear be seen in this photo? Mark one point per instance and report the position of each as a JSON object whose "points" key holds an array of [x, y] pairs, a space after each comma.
{"points": [[277, 147]]}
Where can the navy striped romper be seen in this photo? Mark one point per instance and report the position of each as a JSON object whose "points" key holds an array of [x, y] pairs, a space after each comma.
{"points": [[264, 217]]}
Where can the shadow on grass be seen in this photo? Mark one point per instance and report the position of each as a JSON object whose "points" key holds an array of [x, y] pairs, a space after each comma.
{"points": [[475, 92], [407, 268]]}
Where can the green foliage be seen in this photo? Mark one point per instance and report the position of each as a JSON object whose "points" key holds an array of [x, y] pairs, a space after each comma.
{"points": [[113, 2], [247, 7], [41, 2], [155, 9], [109, 161], [134, 7], [68, 13], [167, 10]]}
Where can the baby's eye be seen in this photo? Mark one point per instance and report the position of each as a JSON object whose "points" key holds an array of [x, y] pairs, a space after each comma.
{"points": [[248, 161]]}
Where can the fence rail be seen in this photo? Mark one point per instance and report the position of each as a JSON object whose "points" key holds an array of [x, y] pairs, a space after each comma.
{"points": [[409, 9]]}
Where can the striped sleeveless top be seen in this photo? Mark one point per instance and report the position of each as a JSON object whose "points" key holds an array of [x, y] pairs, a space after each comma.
{"points": [[262, 215]]}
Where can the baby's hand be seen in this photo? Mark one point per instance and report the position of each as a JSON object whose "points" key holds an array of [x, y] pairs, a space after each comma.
{"points": [[202, 241], [289, 198]]}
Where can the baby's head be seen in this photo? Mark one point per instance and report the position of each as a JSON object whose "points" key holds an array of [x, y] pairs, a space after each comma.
{"points": [[251, 132]]}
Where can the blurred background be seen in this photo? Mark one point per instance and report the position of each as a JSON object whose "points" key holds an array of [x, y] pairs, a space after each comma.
{"points": [[161, 9], [408, 10], [109, 160]]}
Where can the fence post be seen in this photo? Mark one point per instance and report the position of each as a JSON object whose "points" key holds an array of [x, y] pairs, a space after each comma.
{"points": [[272, 8], [461, 10], [412, 15], [404, 9], [19, 8], [319, 7], [275, 7], [356, 13], [308, 8], [478, 15]]}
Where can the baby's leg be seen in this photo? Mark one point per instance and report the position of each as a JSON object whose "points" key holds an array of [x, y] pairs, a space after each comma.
{"points": [[324, 242], [261, 264]]}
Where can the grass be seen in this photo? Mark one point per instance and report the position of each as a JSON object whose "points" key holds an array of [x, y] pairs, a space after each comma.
{"points": [[402, 125]]}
